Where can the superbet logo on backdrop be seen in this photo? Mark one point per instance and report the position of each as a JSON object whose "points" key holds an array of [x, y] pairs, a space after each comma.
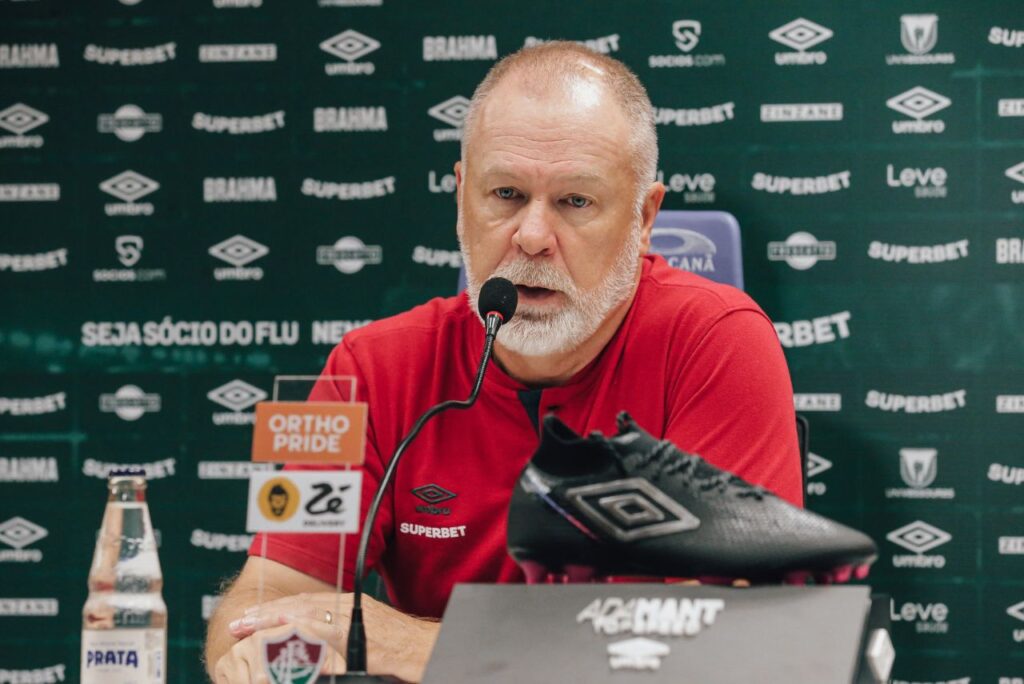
{"points": [[129, 123], [40, 261], [919, 254], [918, 103], [686, 33], [350, 46], [19, 119], [800, 34], [801, 186], [820, 330]]}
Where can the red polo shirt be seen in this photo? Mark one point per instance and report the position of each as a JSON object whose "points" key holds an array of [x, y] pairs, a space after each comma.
{"points": [[694, 362]]}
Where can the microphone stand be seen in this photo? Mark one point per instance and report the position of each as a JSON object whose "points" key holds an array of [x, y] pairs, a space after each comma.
{"points": [[355, 658]]}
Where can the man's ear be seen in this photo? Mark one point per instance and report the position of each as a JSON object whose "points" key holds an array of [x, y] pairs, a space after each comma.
{"points": [[652, 205]]}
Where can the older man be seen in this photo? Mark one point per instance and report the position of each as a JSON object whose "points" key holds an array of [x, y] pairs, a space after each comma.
{"points": [[557, 193]]}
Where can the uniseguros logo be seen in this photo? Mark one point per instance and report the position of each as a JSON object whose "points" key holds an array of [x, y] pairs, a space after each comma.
{"points": [[919, 33], [918, 468]]}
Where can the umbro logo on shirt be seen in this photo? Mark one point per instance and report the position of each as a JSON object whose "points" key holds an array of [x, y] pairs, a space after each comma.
{"points": [[432, 495]]}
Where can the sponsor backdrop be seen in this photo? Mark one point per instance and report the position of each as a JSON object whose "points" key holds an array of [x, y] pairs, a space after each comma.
{"points": [[197, 196]]}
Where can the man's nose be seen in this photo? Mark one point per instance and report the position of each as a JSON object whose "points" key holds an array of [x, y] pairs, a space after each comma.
{"points": [[535, 234]]}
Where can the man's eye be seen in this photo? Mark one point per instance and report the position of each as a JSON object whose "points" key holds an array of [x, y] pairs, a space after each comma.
{"points": [[578, 202], [505, 193]]}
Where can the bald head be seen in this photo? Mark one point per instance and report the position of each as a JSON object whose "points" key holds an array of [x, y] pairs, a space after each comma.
{"points": [[564, 71]]}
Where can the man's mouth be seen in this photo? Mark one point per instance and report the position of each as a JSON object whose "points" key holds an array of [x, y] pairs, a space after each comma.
{"points": [[535, 294]]}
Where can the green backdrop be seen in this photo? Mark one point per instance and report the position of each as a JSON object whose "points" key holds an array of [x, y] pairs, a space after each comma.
{"points": [[259, 133]]}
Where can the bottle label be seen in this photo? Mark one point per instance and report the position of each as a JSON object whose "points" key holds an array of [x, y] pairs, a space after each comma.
{"points": [[123, 656]]}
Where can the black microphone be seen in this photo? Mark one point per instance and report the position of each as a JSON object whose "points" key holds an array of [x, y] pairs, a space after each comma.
{"points": [[496, 305]]}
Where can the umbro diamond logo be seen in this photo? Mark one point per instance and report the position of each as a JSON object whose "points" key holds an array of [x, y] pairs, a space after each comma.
{"points": [[349, 45], [20, 118], [129, 186], [918, 103], [816, 464], [19, 533], [800, 34], [1016, 611], [236, 395], [631, 509], [238, 250], [637, 654], [919, 537], [433, 494], [452, 111], [1016, 172]]}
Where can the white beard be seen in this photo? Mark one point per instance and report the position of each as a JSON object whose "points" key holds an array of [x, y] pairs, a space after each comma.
{"points": [[532, 332]]}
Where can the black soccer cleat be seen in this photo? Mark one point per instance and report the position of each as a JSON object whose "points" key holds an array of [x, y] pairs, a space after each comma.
{"points": [[632, 505]]}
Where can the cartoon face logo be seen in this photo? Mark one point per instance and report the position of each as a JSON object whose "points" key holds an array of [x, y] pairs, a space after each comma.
{"points": [[279, 499]]}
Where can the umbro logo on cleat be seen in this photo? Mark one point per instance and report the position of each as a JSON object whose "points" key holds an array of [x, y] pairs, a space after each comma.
{"points": [[631, 509]]}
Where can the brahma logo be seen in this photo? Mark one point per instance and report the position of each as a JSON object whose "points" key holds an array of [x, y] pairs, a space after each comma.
{"points": [[349, 46], [459, 48], [239, 251], [452, 112], [918, 468], [686, 33], [19, 119], [628, 509], [924, 254], [1016, 173], [18, 533], [696, 188], [349, 119], [919, 33], [684, 249], [801, 251], [129, 123], [800, 34], [349, 254], [29, 469], [240, 189], [129, 186], [130, 403], [236, 396], [814, 331], [919, 537], [918, 103], [29, 56]]}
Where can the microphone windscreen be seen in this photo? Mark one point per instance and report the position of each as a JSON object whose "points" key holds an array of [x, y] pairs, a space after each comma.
{"points": [[499, 296]]}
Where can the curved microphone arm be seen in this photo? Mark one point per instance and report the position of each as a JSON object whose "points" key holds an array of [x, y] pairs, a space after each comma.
{"points": [[356, 650]]}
